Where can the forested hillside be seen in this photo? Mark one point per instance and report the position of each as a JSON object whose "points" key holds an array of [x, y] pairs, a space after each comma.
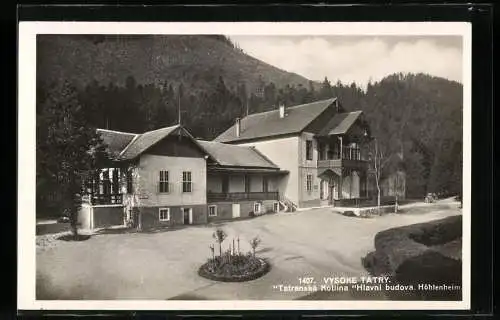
{"points": [[419, 117], [196, 61]]}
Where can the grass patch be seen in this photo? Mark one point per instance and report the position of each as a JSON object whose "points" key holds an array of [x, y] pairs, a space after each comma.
{"points": [[71, 237]]}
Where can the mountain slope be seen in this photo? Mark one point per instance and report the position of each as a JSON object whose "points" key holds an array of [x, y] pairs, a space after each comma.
{"points": [[194, 60]]}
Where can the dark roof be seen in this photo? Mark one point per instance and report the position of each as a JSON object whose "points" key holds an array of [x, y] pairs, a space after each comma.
{"points": [[116, 141], [144, 141], [236, 156], [268, 124], [340, 123]]}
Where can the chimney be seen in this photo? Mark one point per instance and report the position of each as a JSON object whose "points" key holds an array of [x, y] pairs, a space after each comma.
{"points": [[282, 110], [238, 127]]}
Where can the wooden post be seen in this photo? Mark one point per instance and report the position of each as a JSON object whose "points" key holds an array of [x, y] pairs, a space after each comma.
{"points": [[339, 191], [341, 147], [350, 184]]}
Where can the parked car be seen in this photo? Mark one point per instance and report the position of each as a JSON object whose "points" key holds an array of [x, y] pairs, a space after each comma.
{"points": [[431, 197], [63, 219]]}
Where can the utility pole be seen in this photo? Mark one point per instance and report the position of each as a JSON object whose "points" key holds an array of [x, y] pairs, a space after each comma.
{"points": [[179, 107]]}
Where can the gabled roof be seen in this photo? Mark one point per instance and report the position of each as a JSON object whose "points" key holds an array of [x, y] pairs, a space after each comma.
{"points": [[236, 156], [127, 146], [268, 124], [116, 141], [340, 123], [144, 141]]}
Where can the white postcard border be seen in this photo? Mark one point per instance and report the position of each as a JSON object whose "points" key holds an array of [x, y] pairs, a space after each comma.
{"points": [[27, 173]]}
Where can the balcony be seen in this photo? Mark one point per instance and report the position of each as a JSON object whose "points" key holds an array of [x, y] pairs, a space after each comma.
{"points": [[351, 158], [241, 196], [100, 199]]}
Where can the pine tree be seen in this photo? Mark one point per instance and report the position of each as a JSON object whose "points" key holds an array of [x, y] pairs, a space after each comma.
{"points": [[68, 149]]}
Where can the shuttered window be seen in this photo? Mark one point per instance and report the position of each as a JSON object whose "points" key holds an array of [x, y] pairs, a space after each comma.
{"points": [[309, 182], [187, 183], [163, 186]]}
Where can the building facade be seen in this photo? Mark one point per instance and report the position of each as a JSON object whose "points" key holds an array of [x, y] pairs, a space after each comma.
{"points": [[304, 156], [323, 147]]}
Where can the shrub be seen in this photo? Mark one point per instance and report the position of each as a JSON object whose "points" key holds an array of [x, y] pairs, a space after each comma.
{"points": [[424, 253]]}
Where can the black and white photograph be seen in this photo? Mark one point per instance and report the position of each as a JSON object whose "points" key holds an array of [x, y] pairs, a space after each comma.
{"points": [[245, 165]]}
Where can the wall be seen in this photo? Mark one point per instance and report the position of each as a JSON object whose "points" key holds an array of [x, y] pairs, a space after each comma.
{"points": [[284, 153], [85, 217], [225, 209], [150, 216], [308, 198], [148, 171], [107, 216], [346, 187], [392, 186], [312, 198]]}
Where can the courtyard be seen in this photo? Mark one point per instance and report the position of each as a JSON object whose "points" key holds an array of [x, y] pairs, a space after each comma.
{"points": [[163, 265]]}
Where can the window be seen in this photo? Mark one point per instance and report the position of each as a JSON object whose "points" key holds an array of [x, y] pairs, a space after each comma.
{"points": [[163, 184], [212, 211], [187, 184], [130, 185], [276, 206], [309, 182], [309, 150], [115, 182], [164, 214], [257, 207], [106, 182], [321, 151]]}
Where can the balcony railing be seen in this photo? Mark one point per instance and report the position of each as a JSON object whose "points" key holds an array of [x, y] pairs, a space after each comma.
{"points": [[107, 198], [348, 153], [239, 196]]}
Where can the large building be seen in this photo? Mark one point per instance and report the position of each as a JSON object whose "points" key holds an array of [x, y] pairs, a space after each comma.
{"points": [[319, 144], [298, 157]]}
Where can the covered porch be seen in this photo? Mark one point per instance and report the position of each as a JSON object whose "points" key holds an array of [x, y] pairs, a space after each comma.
{"points": [[343, 186], [108, 186], [239, 184]]}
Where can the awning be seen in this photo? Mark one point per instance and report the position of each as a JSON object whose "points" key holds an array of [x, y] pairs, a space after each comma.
{"points": [[222, 169], [327, 172]]}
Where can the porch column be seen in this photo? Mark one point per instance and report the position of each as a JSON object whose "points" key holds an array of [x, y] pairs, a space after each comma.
{"points": [[341, 178], [351, 176], [341, 147]]}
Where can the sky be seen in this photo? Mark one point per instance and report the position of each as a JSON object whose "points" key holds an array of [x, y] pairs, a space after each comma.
{"points": [[358, 58]]}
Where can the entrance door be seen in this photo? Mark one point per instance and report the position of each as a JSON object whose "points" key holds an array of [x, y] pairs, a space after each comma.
{"points": [[236, 210], [188, 215], [324, 190]]}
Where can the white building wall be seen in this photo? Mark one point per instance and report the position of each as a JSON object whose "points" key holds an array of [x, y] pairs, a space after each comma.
{"points": [[355, 185], [308, 167], [284, 153], [149, 176]]}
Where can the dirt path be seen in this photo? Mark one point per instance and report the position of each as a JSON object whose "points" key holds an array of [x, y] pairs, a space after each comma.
{"points": [[315, 243]]}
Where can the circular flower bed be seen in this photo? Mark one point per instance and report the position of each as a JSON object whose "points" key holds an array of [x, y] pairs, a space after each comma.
{"points": [[236, 268]]}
